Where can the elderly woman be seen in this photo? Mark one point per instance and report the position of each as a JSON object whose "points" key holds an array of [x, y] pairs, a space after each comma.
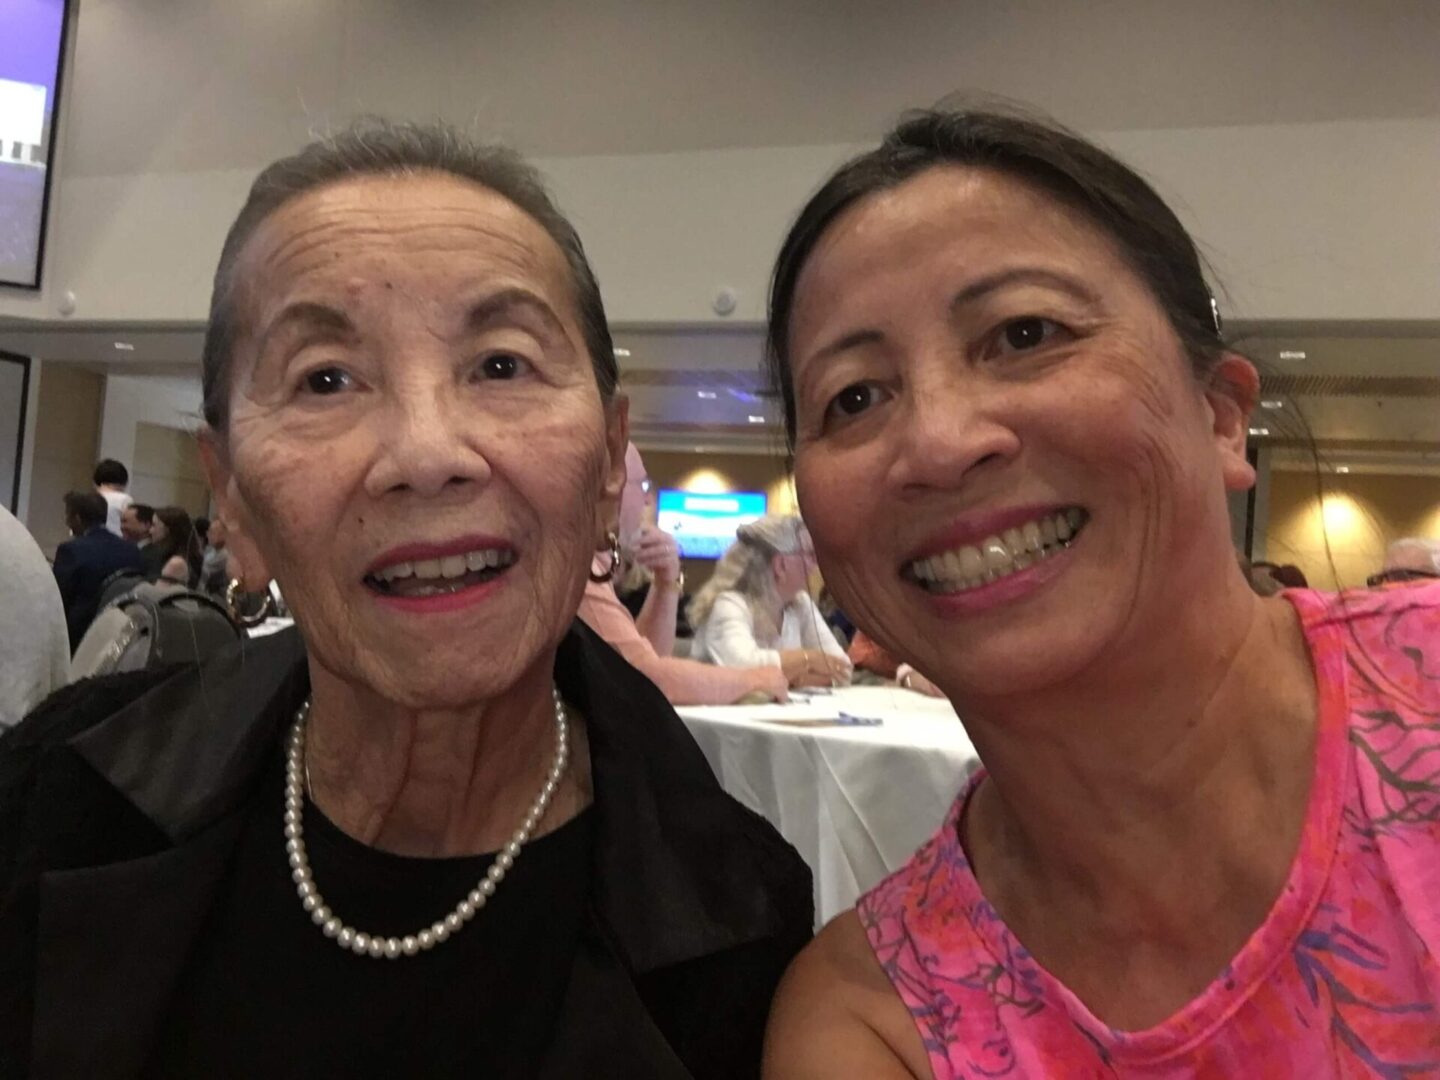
{"points": [[755, 610], [1204, 840], [439, 829]]}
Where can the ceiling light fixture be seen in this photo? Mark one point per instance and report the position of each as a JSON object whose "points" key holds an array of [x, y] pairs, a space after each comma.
{"points": [[1259, 431], [705, 395], [756, 419], [622, 353], [1342, 468], [1292, 354], [1273, 403], [124, 346]]}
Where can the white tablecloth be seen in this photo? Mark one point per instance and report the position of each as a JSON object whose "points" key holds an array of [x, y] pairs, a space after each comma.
{"points": [[854, 801]]}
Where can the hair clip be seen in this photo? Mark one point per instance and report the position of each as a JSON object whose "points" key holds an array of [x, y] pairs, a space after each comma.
{"points": [[1215, 317]]}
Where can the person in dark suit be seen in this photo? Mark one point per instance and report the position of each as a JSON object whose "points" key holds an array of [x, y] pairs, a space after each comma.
{"points": [[83, 563]]}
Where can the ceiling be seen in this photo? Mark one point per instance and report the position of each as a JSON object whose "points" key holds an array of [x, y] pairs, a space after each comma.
{"points": [[161, 86], [1369, 390]]}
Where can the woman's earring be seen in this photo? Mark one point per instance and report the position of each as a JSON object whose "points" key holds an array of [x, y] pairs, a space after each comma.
{"points": [[613, 539], [233, 592]]}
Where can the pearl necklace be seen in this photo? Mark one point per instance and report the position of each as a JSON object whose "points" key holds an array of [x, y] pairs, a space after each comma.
{"points": [[374, 945]]}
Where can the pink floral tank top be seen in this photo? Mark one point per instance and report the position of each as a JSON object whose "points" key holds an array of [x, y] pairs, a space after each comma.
{"points": [[1342, 978]]}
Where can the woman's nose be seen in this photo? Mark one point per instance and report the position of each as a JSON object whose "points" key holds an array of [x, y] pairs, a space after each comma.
{"points": [[948, 429], [428, 443]]}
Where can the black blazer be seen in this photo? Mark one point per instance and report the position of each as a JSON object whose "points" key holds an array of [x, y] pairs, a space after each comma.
{"points": [[81, 567], [121, 799]]}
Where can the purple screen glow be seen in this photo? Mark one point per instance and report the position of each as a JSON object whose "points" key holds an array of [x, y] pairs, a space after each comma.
{"points": [[31, 35]]}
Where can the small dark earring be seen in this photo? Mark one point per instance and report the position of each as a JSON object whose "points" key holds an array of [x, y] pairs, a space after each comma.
{"points": [[613, 539]]}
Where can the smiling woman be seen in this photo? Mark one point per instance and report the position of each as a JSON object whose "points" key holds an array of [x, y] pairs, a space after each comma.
{"points": [[440, 806], [1014, 422]]}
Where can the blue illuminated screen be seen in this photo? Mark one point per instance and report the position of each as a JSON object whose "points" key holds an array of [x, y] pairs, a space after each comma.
{"points": [[704, 524]]}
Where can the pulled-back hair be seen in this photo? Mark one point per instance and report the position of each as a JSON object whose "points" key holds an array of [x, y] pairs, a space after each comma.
{"points": [[1040, 152], [374, 147]]}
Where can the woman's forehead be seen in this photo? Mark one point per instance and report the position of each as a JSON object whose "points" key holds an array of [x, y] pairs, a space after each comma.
{"points": [[970, 219], [421, 228]]}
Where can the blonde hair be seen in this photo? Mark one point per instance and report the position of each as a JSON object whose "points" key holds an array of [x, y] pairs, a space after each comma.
{"points": [[746, 568]]}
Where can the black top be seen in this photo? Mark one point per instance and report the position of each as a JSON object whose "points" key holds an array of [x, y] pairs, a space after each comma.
{"points": [[125, 830], [265, 993]]}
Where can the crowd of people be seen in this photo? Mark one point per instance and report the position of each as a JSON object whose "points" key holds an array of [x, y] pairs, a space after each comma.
{"points": [[449, 822]]}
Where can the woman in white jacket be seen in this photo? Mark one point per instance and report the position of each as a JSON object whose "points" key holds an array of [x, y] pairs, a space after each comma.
{"points": [[755, 610]]}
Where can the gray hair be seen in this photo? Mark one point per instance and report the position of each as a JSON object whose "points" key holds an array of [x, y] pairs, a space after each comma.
{"points": [[746, 568], [1412, 553], [374, 147]]}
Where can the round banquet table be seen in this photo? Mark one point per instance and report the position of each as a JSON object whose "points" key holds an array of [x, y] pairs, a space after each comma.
{"points": [[855, 801]]}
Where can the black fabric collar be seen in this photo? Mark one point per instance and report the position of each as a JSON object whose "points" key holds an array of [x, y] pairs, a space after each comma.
{"points": [[682, 870]]}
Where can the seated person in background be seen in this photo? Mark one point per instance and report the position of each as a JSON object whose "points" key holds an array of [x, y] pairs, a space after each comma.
{"points": [[646, 641], [83, 563], [1408, 560], [755, 610], [111, 478], [869, 655], [173, 535], [34, 647], [212, 567], [136, 521]]}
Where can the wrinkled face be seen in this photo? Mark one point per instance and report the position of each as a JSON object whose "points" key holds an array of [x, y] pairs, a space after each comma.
{"points": [[1006, 463], [131, 527], [417, 448]]}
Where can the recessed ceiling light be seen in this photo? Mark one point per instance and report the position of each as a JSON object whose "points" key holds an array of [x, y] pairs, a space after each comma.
{"points": [[756, 419], [1292, 354], [124, 346], [1273, 403], [705, 395], [1259, 431], [1342, 468], [622, 352]]}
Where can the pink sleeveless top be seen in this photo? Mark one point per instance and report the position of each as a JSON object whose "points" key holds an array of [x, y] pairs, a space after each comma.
{"points": [[1341, 980]]}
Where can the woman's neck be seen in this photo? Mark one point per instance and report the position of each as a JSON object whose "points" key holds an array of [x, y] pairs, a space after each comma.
{"points": [[442, 782], [1129, 798]]}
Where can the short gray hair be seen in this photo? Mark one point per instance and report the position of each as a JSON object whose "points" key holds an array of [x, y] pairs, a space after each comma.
{"points": [[374, 147]]}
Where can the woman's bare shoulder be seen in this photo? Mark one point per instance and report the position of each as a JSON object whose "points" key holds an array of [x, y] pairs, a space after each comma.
{"points": [[836, 1015]]}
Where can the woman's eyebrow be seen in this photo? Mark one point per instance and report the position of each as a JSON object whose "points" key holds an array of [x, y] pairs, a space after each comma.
{"points": [[976, 290], [307, 315], [494, 308], [1022, 275]]}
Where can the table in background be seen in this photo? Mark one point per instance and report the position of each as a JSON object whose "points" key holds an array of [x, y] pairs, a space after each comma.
{"points": [[854, 801]]}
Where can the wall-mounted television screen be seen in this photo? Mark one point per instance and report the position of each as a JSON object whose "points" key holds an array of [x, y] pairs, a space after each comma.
{"points": [[704, 524], [32, 44]]}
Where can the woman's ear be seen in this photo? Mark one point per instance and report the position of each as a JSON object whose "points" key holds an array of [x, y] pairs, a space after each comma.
{"points": [[1232, 394], [246, 563], [617, 439]]}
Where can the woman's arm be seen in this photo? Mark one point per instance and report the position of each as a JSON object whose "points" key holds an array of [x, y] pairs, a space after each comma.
{"points": [[730, 635], [836, 1017]]}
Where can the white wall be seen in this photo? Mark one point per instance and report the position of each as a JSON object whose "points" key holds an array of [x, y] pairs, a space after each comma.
{"points": [[1309, 221], [131, 400], [1301, 141]]}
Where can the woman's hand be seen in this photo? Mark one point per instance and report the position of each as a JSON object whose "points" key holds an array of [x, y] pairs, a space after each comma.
{"points": [[814, 667], [657, 552], [910, 679]]}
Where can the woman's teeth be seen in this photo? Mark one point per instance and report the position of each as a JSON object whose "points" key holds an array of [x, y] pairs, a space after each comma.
{"points": [[434, 577], [969, 567]]}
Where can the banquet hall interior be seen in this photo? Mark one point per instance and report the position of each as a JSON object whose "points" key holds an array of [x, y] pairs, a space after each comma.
{"points": [[1300, 144]]}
